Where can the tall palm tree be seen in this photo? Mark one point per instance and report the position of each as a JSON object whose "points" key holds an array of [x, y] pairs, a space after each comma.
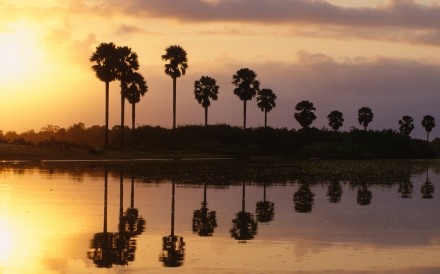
{"points": [[105, 70], [246, 87], [406, 125], [428, 123], [136, 87], [244, 225], [305, 113], [204, 90], [127, 63], [335, 120], [266, 101], [176, 67], [365, 116]]}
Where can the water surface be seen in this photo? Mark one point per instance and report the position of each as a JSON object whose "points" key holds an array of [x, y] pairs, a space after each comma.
{"points": [[220, 216]]}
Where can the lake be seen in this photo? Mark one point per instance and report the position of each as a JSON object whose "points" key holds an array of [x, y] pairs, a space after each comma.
{"points": [[220, 216]]}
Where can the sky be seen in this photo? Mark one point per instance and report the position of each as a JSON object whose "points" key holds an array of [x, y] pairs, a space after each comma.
{"points": [[339, 54]]}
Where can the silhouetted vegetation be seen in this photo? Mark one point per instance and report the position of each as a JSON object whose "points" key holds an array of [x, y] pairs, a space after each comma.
{"points": [[247, 87], [365, 116], [428, 123], [305, 114], [225, 141], [205, 90]]}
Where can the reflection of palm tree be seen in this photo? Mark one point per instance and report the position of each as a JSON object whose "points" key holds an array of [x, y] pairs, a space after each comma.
{"points": [[364, 196], [204, 221], [427, 188], [102, 243], [244, 226], [265, 210], [135, 225], [334, 192], [173, 247], [303, 199], [405, 189]]}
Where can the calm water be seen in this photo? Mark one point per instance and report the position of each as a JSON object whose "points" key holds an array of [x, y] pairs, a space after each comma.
{"points": [[220, 217]]}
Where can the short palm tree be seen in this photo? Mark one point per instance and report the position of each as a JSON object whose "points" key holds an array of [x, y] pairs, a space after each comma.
{"points": [[136, 87], [126, 65], [266, 101], [305, 113], [204, 90], [365, 116], [176, 67], [246, 87], [335, 120], [428, 123], [406, 125], [105, 69]]}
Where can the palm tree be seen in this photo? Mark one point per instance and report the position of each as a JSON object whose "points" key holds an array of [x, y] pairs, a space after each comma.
{"points": [[205, 89], [335, 120], [406, 125], [303, 198], [176, 67], [364, 196], [305, 113], [334, 192], [204, 220], [365, 116], [428, 123], [266, 101], [246, 87], [265, 209], [136, 87], [127, 62], [427, 189], [105, 70]]}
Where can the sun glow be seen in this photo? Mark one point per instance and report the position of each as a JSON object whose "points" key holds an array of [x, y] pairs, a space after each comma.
{"points": [[21, 54]]}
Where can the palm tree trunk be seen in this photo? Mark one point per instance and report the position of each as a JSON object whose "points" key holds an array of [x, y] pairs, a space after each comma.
{"points": [[206, 116], [265, 118], [107, 91], [122, 115], [174, 102], [427, 136], [244, 114], [133, 117]]}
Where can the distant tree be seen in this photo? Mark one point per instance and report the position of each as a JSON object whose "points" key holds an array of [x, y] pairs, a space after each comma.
{"points": [[406, 125], [126, 65], [136, 87], [246, 87], [428, 123], [335, 120], [305, 113], [365, 116], [105, 69], [204, 90], [266, 102], [175, 68]]}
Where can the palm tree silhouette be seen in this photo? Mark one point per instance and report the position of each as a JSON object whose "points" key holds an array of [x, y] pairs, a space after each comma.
{"points": [[204, 221], [266, 101], [406, 125], [244, 226], [405, 189], [365, 116], [101, 246], [265, 210], [427, 189], [176, 67], [428, 123], [303, 199], [105, 70], [335, 120], [305, 113], [204, 90], [136, 87], [135, 224], [173, 246], [246, 87], [126, 65], [334, 192]]}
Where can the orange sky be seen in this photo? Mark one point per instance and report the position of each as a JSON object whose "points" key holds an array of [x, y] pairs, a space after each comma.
{"points": [[339, 54]]}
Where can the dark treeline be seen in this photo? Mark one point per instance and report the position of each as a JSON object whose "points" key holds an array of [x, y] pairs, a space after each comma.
{"points": [[225, 140]]}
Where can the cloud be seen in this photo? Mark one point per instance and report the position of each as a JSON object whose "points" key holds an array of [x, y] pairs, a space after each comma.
{"points": [[398, 13]]}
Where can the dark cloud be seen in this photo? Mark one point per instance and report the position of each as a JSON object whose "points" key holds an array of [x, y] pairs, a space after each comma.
{"points": [[398, 13]]}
